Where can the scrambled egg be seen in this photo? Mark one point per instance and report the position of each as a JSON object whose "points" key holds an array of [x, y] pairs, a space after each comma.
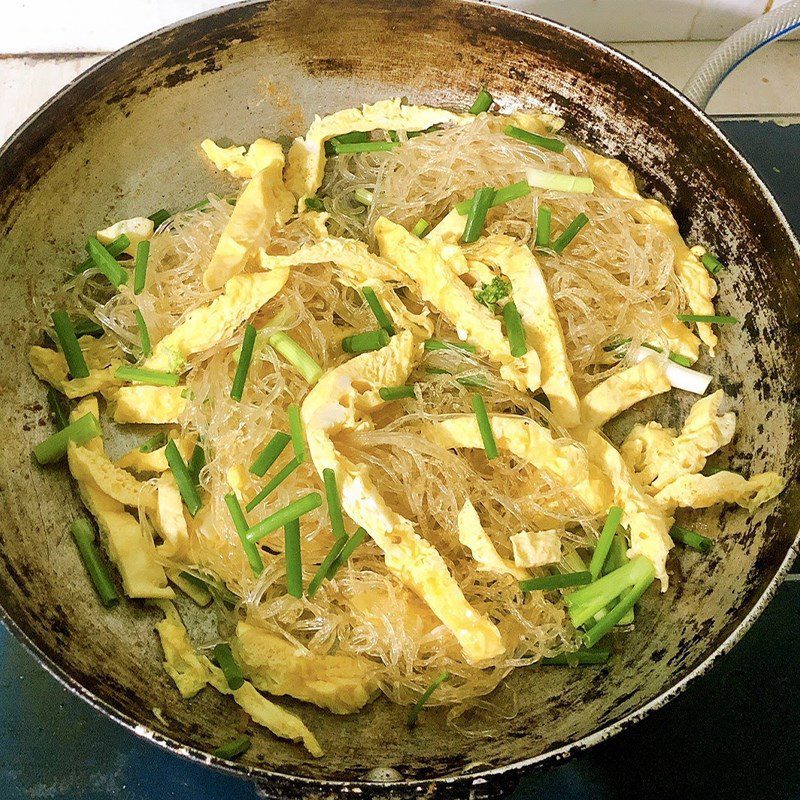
{"points": [[435, 266], [211, 324], [306, 160], [337, 403], [156, 405], [170, 519], [539, 318], [263, 203], [536, 548], [51, 366], [241, 163], [699, 491], [137, 229], [155, 460], [472, 535], [341, 683]]}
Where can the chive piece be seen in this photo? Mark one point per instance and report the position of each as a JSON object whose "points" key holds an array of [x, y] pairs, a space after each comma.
{"points": [[396, 392], [140, 266], [334, 504], [182, 477], [569, 233], [545, 142], [485, 427], [604, 542], [684, 361], [612, 618], [199, 206], [296, 432], [363, 147], [115, 248], [711, 263], [269, 455], [476, 217], [577, 657], [425, 696], [230, 669], [229, 750], [195, 589], [196, 463], [296, 356], [144, 334], [543, 220], [325, 566], [347, 550], [691, 538], [504, 195], [106, 263], [440, 344], [87, 327], [483, 102], [514, 330], [217, 590], [421, 228], [676, 357], [286, 515], [365, 342], [363, 196], [154, 442], [712, 469], [60, 417], [152, 377], [345, 138], [314, 204], [712, 319], [560, 182], [475, 381], [54, 447], [378, 310], [617, 554], [559, 581], [245, 357], [83, 534], [273, 484], [70, 345], [159, 217], [294, 557]]}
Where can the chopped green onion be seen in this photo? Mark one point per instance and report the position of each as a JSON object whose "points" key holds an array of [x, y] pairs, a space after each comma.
{"points": [[296, 356], [712, 469], [504, 195], [569, 233], [54, 447], [365, 342], [154, 442], [396, 392], [140, 266], [421, 228], [314, 204], [325, 566], [604, 542], [199, 206], [439, 344], [144, 334], [230, 669], [159, 217], [87, 327], [273, 484], [484, 426], [546, 143], [577, 657], [194, 588], [476, 217], [514, 330], [559, 581], [425, 696], [218, 590], [625, 605], [286, 515], [234, 748], [294, 557], [712, 319], [345, 138], [347, 550], [182, 477], [543, 220], [362, 147], [115, 248], [60, 417], [691, 538], [483, 102], [677, 358], [364, 196], [296, 432], [196, 463], [152, 377], [617, 554], [475, 381], [70, 345], [246, 356], [83, 534], [269, 455], [334, 504], [106, 263], [559, 182], [711, 263], [377, 309]]}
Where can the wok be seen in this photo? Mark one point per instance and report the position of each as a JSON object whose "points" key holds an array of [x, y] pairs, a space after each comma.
{"points": [[122, 140]]}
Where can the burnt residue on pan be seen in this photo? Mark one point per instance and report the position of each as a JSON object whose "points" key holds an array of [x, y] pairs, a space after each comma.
{"points": [[123, 141]]}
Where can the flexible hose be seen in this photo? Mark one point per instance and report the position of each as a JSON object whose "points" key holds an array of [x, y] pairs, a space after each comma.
{"points": [[737, 47]]}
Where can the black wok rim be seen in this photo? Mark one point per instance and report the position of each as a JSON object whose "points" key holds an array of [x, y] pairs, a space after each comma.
{"points": [[509, 772]]}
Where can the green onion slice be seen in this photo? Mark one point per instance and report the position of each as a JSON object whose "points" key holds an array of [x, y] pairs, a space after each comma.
{"points": [[283, 517], [140, 266], [364, 196], [560, 182], [425, 696], [711, 263], [421, 228], [230, 669], [476, 217], [569, 233], [182, 477], [149, 376], [483, 102], [296, 356], [691, 538], [504, 195], [712, 319], [159, 217], [70, 345], [294, 558], [106, 263], [604, 542], [314, 204], [514, 330], [296, 432], [235, 747], [144, 334], [485, 427], [363, 147], [348, 549], [60, 417], [558, 581], [365, 342], [396, 392], [543, 221], [83, 534], [115, 248], [578, 657], [269, 455], [546, 143], [273, 484], [155, 442], [377, 309], [246, 356], [325, 566], [54, 447], [334, 504], [440, 344], [196, 463]]}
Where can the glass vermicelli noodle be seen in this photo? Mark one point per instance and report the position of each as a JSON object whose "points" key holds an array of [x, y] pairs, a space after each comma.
{"points": [[464, 566]]}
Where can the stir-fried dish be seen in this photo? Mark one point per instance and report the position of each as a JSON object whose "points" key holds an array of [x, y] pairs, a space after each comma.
{"points": [[377, 377]]}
